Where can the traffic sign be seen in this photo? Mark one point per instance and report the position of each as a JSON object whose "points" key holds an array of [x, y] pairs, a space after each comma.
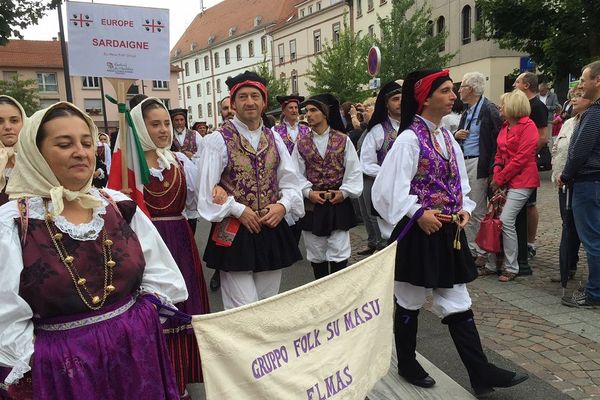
{"points": [[374, 61]]}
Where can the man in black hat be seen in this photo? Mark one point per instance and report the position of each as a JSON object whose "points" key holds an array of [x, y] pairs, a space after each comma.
{"points": [[249, 242], [289, 127], [330, 173], [185, 140], [424, 180], [382, 130]]}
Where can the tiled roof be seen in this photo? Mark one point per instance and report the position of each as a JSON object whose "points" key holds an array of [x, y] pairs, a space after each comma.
{"points": [[32, 54], [216, 22], [37, 54]]}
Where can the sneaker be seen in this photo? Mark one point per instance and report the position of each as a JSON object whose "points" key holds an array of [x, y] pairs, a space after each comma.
{"points": [[531, 251], [579, 299]]}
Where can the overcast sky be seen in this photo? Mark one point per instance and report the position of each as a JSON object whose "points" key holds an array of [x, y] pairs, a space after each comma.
{"points": [[181, 14]]}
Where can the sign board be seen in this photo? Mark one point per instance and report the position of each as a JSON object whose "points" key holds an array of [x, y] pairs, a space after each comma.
{"points": [[526, 64], [331, 338], [573, 81], [114, 41], [374, 61], [374, 83]]}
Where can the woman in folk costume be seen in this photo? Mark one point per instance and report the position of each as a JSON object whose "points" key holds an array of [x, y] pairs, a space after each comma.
{"points": [[82, 273], [172, 185], [12, 117]]}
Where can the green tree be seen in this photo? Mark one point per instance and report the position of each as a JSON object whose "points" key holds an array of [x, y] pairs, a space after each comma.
{"points": [[24, 91], [16, 15], [341, 68], [560, 35], [407, 42], [276, 87]]}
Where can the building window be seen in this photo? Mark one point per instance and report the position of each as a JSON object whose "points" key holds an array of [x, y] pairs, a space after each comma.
{"points": [[281, 53], [302, 13], [93, 106], [199, 110], [466, 24], [293, 50], [358, 8], [188, 92], [282, 76], [187, 69], [217, 61], [441, 26], [90, 81], [227, 58], [209, 110], [263, 44], [370, 5], [238, 52], [317, 41], [197, 66], [478, 19], [198, 90], [318, 6], [166, 102], [208, 87], [179, 91], [336, 32], [309, 10], [47, 82], [430, 28], [372, 31], [160, 84], [251, 48], [218, 86], [294, 82], [190, 116], [206, 63]]}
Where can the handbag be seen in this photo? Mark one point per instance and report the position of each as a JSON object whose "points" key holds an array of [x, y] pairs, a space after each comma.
{"points": [[544, 159], [489, 237]]}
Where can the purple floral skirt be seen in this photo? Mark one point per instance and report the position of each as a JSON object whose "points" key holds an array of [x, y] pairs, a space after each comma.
{"points": [[118, 352]]}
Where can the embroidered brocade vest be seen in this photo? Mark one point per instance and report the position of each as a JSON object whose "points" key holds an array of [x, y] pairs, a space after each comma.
{"points": [[166, 198], [437, 181], [250, 176], [324, 173], [47, 286], [389, 136], [281, 129], [189, 142]]}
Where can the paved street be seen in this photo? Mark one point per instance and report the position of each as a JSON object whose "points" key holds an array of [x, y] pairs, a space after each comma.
{"points": [[522, 323]]}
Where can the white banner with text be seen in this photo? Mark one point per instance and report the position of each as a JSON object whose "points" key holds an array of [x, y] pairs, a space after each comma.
{"points": [[328, 339], [114, 41]]}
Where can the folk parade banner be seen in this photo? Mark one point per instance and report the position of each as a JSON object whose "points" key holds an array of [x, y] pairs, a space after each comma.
{"points": [[115, 41], [329, 339]]}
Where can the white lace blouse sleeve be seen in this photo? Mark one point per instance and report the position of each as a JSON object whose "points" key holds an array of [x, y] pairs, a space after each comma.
{"points": [[199, 146], [211, 164], [368, 152], [289, 182], [191, 178], [16, 327], [352, 184], [161, 275], [107, 157], [305, 184], [391, 190]]}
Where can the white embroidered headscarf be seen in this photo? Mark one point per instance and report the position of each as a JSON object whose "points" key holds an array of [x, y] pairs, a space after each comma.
{"points": [[32, 176], [7, 152], [164, 153]]}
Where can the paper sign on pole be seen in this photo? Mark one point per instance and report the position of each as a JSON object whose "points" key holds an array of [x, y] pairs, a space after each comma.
{"points": [[329, 339], [114, 41]]}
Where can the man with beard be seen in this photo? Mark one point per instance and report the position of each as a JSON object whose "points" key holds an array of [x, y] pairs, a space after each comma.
{"points": [[330, 174], [186, 141], [424, 180], [250, 242]]}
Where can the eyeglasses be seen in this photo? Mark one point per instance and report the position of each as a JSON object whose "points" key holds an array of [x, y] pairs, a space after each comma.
{"points": [[464, 87]]}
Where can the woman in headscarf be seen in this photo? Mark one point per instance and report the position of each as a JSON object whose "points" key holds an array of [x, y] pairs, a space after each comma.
{"points": [[12, 117], [83, 272], [172, 186]]}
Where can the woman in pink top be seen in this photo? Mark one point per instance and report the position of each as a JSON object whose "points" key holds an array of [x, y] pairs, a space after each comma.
{"points": [[515, 168]]}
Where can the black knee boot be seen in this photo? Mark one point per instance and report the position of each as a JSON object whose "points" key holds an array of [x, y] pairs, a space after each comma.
{"points": [[338, 266], [405, 334], [320, 269], [484, 376]]}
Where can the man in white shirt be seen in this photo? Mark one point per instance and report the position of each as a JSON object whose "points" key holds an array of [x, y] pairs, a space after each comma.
{"points": [[424, 180], [250, 242], [330, 175], [289, 127], [186, 141], [382, 130]]}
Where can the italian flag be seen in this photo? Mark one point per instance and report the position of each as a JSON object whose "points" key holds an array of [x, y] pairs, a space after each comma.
{"points": [[137, 169]]}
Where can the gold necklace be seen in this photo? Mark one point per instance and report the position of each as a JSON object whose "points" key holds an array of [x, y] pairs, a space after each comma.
{"points": [[80, 282], [166, 183], [179, 183]]}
